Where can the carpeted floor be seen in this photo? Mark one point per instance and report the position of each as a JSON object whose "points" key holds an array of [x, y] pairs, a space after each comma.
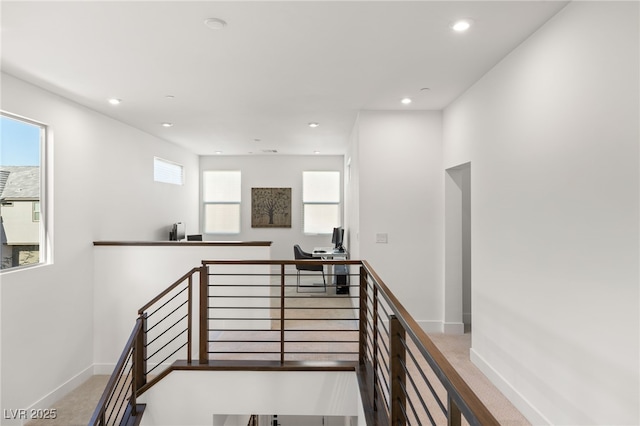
{"points": [[456, 348], [76, 408]]}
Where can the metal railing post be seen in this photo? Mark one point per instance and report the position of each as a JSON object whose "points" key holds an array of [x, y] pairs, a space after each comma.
{"points": [[282, 312], [204, 315], [454, 415], [375, 347], [397, 373], [362, 341], [140, 355], [189, 317]]}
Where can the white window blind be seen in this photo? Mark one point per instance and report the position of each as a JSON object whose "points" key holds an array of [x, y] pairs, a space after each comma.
{"points": [[167, 171], [221, 196], [321, 201]]}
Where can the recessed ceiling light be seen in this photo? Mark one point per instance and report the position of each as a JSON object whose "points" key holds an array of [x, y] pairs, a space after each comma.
{"points": [[406, 101], [218, 152], [215, 23], [314, 124], [167, 124], [461, 25], [115, 101], [169, 97]]}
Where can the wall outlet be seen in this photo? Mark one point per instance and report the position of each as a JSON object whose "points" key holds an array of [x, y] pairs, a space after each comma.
{"points": [[382, 238]]}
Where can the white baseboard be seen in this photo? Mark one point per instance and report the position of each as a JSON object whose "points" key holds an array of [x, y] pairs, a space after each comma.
{"points": [[102, 369], [54, 396], [430, 326], [532, 414], [453, 328]]}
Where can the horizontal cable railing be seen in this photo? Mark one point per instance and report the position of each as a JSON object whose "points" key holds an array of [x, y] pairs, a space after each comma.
{"points": [[118, 406], [162, 335], [283, 315], [166, 330], [411, 381], [279, 314]]}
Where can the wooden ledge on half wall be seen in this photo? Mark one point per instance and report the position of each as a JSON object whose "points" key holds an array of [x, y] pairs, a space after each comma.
{"points": [[183, 243]]}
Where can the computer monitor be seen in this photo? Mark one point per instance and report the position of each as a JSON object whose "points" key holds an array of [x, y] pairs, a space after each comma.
{"points": [[336, 239]]}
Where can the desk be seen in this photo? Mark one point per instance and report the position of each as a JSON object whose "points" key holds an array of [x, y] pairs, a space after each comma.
{"points": [[340, 273], [329, 253]]}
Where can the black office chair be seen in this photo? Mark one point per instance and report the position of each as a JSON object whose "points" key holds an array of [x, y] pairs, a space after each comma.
{"points": [[300, 254]]}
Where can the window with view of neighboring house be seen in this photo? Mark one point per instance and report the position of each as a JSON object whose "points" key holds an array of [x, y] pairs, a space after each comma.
{"points": [[36, 211], [22, 228]]}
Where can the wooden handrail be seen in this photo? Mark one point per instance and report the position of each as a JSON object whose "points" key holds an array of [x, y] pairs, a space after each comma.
{"points": [[376, 305], [460, 392], [168, 290], [281, 262], [98, 414]]}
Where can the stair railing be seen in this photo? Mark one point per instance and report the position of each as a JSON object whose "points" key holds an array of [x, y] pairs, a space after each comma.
{"points": [[408, 379], [118, 405], [162, 334], [404, 378]]}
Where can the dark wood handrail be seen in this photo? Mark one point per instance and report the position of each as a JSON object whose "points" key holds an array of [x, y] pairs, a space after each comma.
{"points": [[104, 399], [168, 290], [281, 262], [461, 398], [182, 243], [458, 389]]}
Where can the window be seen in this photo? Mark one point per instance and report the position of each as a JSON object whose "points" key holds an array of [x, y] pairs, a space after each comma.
{"points": [[320, 202], [36, 211], [221, 198], [22, 203], [167, 172]]}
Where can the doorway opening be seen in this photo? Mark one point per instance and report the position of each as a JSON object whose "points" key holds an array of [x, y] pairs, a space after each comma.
{"points": [[457, 306]]}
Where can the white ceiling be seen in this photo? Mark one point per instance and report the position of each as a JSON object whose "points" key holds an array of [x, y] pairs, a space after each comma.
{"points": [[277, 66]]}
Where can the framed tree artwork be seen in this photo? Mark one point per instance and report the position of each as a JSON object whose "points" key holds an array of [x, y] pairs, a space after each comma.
{"points": [[271, 207]]}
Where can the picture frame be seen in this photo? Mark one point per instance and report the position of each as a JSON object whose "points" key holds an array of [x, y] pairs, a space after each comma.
{"points": [[271, 207]]}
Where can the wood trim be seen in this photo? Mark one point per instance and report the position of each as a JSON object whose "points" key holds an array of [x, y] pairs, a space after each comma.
{"points": [[183, 243], [186, 276], [254, 365]]}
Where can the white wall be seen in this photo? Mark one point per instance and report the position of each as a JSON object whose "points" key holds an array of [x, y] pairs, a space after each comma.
{"points": [[143, 272], [401, 185], [102, 187], [274, 172], [194, 397], [352, 194], [552, 135]]}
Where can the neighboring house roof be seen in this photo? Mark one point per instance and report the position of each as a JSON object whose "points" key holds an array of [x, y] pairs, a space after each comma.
{"points": [[19, 182]]}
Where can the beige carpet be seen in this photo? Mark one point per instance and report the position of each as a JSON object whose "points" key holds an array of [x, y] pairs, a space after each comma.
{"points": [[76, 408], [456, 349]]}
